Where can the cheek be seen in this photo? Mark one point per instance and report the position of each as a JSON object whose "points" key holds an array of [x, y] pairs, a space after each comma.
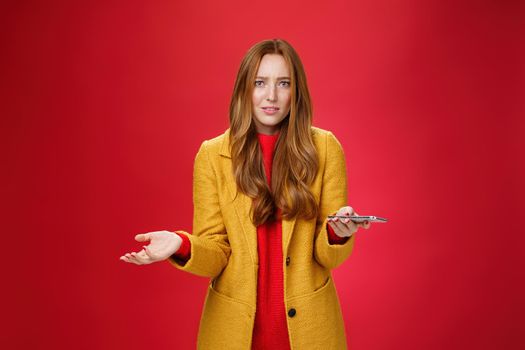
{"points": [[286, 98], [256, 97]]}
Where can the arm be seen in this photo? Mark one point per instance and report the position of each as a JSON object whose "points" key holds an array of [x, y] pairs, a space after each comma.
{"points": [[209, 248], [333, 197]]}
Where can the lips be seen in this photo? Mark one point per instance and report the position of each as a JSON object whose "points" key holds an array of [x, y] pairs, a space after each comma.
{"points": [[270, 110]]}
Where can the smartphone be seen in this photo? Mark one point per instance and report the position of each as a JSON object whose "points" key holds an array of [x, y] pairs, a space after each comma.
{"points": [[360, 218]]}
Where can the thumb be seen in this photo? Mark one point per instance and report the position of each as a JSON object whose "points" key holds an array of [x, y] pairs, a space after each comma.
{"points": [[142, 237]]}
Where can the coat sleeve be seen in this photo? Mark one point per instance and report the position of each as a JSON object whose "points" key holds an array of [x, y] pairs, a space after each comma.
{"points": [[333, 197], [209, 245]]}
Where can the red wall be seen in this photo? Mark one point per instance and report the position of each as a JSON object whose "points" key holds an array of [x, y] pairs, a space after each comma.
{"points": [[105, 103]]}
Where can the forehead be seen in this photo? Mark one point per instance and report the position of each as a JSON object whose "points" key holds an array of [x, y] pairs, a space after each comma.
{"points": [[273, 65]]}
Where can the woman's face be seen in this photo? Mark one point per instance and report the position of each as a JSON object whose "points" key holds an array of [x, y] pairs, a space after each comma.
{"points": [[271, 94]]}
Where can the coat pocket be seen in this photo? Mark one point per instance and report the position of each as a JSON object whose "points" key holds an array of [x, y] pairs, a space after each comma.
{"points": [[225, 323], [317, 322]]}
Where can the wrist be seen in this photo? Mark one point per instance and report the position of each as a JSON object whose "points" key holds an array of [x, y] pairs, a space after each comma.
{"points": [[183, 250]]}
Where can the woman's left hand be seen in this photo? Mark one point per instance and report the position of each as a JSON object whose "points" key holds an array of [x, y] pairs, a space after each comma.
{"points": [[346, 227]]}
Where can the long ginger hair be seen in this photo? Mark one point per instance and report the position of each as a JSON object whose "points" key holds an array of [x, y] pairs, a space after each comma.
{"points": [[295, 162]]}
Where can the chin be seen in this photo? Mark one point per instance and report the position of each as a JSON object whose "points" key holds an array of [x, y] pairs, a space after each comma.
{"points": [[270, 120]]}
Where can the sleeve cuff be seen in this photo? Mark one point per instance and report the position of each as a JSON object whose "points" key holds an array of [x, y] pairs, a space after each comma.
{"points": [[184, 253], [333, 238]]}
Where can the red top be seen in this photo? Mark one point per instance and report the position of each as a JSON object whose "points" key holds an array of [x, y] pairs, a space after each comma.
{"points": [[270, 330]]}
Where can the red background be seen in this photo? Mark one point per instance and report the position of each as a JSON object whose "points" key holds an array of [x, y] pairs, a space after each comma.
{"points": [[105, 103]]}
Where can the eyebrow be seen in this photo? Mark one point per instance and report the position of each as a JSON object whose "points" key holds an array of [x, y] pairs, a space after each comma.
{"points": [[259, 77]]}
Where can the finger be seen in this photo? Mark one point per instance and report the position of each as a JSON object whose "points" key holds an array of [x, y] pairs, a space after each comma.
{"points": [[364, 224], [139, 258], [333, 225], [341, 229], [143, 237], [132, 259], [349, 223], [332, 219], [143, 256], [148, 253], [349, 227], [336, 229], [347, 211]]}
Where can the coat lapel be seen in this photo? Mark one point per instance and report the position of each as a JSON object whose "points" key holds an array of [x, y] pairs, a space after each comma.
{"points": [[242, 202]]}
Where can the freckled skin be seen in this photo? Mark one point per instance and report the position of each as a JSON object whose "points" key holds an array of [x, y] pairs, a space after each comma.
{"points": [[271, 92]]}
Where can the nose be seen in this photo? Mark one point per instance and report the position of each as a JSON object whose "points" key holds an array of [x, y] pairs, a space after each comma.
{"points": [[271, 94]]}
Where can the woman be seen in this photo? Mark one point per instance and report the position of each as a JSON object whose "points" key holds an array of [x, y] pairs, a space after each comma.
{"points": [[262, 192]]}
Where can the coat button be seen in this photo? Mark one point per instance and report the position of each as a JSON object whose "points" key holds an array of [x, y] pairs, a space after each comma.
{"points": [[287, 260], [291, 312]]}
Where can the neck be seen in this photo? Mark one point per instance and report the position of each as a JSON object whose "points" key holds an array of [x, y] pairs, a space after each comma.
{"points": [[263, 134], [268, 130]]}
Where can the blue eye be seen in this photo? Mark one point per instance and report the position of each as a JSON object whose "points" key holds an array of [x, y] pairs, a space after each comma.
{"points": [[258, 81], [286, 82]]}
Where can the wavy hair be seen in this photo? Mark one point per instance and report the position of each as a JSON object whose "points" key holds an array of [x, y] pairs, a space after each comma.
{"points": [[295, 162]]}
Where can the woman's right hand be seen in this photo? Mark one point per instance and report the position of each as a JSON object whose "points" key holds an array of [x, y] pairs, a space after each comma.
{"points": [[162, 245]]}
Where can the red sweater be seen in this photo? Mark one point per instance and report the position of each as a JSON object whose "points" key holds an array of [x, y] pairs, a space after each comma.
{"points": [[270, 330]]}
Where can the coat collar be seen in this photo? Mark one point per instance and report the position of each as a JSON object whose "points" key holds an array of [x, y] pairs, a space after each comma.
{"points": [[225, 146]]}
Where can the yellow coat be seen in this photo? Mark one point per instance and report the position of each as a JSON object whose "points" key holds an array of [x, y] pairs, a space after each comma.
{"points": [[224, 248]]}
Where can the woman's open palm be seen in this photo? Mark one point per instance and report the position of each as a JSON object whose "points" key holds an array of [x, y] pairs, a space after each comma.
{"points": [[162, 245]]}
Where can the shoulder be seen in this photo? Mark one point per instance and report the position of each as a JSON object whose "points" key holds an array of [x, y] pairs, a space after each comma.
{"points": [[217, 140], [216, 145], [322, 133], [324, 139]]}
